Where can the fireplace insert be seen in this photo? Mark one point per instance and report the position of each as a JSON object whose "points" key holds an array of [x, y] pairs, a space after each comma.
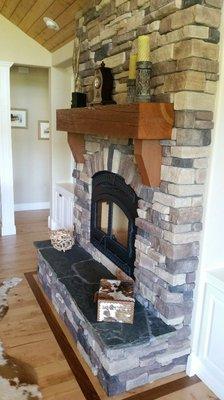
{"points": [[113, 213]]}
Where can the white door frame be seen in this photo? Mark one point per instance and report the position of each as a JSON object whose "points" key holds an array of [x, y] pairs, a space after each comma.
{"points": [[6, 167]]}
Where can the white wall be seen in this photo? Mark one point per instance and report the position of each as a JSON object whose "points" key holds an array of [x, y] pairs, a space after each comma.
{"points": [[63, 57], [61, 156], [209, 293], [31, 156], [19, 48]]}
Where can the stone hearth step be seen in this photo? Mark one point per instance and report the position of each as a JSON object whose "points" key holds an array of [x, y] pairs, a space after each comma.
{"points": [[123, 356]]}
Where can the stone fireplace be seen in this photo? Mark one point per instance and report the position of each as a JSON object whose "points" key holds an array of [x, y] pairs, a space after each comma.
{"points": [[137, 228], [161, 282]]}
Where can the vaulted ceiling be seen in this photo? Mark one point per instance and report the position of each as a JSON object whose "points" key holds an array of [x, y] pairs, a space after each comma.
{"points": [[28, 16]]}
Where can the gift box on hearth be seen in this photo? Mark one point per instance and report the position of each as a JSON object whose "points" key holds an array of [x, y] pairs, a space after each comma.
{"points": [[115, 301]]}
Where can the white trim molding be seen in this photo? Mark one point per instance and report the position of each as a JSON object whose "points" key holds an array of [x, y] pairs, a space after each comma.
{"points": [[6, 171], [32, 206]]}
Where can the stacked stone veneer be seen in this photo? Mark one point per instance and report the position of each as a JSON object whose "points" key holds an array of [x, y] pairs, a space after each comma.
{"points": [[184, 42], [118, 368]]}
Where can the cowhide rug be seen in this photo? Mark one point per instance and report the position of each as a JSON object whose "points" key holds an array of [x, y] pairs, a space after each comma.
{"points": [[18, 380]]}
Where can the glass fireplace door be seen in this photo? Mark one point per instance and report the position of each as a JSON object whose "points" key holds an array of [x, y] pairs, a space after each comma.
{"points": [[113, 213]]}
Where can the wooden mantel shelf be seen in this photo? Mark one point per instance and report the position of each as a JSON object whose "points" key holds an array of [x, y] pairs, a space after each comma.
{"points": [[146, 123]]}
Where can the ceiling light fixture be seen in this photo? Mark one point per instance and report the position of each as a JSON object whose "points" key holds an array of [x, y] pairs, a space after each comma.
{"points": [[51, 24]]}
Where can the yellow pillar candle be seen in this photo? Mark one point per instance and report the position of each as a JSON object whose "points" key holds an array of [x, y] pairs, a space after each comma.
{"points": [[132, 66], [143, 48]]}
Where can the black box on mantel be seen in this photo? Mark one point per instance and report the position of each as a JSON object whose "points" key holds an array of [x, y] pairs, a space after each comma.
{"points": [[78, 99]]}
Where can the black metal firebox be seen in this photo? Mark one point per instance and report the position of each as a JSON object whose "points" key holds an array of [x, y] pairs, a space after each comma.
{"points": [[113, 213]]}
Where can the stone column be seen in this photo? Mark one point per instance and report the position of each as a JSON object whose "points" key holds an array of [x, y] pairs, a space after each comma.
{"points": [[6, 171]]}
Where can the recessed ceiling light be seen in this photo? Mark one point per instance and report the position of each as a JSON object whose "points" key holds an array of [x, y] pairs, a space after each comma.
{"points": [[51, 24]]}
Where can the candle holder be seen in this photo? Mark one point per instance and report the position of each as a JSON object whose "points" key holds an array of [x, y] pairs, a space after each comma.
{"points": [[143, 81], [131, 90]]}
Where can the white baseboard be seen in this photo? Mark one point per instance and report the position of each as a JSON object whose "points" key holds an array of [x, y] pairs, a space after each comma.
{"points": [[32, 206], [207, 375]]}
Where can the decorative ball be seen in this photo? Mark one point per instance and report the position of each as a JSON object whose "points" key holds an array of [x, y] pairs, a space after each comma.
{"points": [[62, 239]]}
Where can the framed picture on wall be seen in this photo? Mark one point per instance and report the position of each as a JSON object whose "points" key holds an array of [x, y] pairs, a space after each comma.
{"points": [[43, 130], [19, 118]]}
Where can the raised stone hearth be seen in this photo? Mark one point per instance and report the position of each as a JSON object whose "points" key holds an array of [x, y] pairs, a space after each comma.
{"points": [[123, 356]]}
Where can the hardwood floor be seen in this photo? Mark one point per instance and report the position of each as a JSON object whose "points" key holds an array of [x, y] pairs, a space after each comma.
{"points": [[27, 335]]}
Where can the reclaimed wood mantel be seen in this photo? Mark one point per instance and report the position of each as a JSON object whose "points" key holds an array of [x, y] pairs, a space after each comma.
{"points": [[145, 123]]}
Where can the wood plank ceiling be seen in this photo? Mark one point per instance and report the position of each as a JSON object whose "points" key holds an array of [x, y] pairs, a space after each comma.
{"points": [[28, 16]]}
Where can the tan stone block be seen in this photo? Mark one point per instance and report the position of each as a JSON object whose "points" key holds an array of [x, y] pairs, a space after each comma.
{"points": [[200, 163], [154, 40], [198, 64], [124, 8], [81, 22], [93, 32], [107, 33], [207, 16], [105, 157], [161, 208], [102, 4], [187, 32], [133, 22], [120, 87], [92, 147], [197, 48], [177, 175], [181, 238], [214, 3], [164, 53], [200, 175], [122, 47], [196, 14], [142, 3], [115, 60], [94, 41], [120, 98], [194, 101], [118, 3], [190, 152], [210, 87], [167, 9], [116, 161], [121, 75], [158, 90], [155, 4], [197, 201], [185, 190], [154, 26], [171, 201], [186, 80], [120, 20]]}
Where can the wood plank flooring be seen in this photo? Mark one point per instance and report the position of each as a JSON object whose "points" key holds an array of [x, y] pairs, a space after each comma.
{"points": [[26, 334]]}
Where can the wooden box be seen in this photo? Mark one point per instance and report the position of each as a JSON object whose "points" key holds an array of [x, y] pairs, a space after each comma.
{"points": [[116, 301]]}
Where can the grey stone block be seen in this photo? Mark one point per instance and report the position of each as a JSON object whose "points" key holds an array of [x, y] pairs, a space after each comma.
{"points": [[189, 3], [214, 35], [181, 266], [193, 137], [111, 384], [182, 162], [186, 215], [102, 52], [140, 380]]}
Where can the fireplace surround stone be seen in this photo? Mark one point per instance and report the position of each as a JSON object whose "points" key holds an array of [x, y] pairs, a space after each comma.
{"points": [[123, 356]]}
